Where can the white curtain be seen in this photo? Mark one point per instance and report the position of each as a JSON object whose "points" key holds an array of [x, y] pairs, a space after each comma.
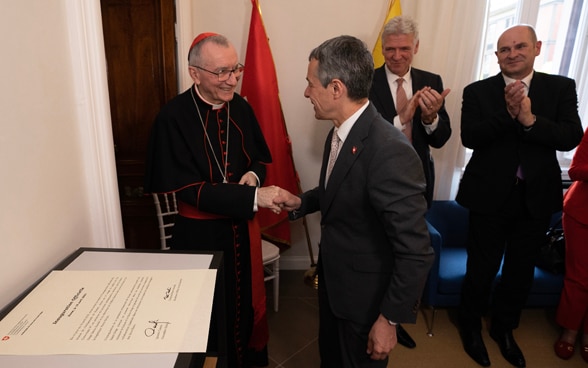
{"points": [[451, 34]]}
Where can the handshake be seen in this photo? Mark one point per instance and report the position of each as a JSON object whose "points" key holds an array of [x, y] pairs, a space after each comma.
{"points": [[277, 199]]}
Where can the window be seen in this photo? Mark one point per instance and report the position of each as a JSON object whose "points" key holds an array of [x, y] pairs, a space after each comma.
{"points": [[562, 26]]}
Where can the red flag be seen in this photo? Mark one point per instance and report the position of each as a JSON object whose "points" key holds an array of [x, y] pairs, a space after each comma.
{"points": [[260, 88]]}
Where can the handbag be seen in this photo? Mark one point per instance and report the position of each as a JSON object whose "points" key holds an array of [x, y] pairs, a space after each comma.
{"points": [[551, 256]]}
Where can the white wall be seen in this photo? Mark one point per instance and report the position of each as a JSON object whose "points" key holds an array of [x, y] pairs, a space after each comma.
{"points": [[51, 193]]}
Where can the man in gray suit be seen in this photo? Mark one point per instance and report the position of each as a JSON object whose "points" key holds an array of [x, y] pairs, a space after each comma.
{"points": [[375, 250]]}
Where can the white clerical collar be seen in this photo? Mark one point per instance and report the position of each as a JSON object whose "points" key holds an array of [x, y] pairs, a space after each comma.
{"points": [[214, 106]]}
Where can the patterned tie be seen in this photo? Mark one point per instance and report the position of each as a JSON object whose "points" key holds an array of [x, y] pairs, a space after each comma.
{"points": [[401, 101], [335, 142]]}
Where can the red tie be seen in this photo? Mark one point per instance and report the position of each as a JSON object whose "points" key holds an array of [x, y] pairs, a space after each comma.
{"points": [[401, 101]]}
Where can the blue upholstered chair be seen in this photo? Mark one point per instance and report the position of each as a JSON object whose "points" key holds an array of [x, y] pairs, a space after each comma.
{"points": [[448, 225]]}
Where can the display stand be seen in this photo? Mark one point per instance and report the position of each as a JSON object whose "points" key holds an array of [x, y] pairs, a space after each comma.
{"points": [[133, 259]]}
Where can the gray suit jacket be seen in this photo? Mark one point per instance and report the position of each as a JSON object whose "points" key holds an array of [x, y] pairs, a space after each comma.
{"points": [[375, 247]]}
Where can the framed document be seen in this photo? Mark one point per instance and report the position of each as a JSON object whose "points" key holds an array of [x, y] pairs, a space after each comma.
{"points": [[116, 307]]}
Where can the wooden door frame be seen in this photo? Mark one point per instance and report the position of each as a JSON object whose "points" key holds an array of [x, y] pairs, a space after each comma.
{"points": [[84, 28]]}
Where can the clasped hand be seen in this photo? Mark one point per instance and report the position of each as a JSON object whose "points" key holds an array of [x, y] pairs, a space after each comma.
{"points": [[277, 199], [430, 102], [518, 103]]}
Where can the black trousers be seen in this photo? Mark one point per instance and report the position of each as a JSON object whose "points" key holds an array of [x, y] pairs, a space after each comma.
{"points": [[515, 235], [342, 343]]}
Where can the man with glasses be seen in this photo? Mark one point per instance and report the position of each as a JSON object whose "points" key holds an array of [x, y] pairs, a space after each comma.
{"points": [[207, 147]]}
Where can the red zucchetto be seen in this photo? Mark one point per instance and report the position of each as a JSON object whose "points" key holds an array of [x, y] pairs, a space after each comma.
{"points": [[201, 37]]}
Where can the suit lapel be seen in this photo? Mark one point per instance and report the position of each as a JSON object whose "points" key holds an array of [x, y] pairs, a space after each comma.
{"points": [[417, 80], [350, 152], [537, 84], [382, 89], [326, 153]]}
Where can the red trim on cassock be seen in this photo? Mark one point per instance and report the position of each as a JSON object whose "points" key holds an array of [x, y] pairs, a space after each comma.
{"points": [[260, 334]]}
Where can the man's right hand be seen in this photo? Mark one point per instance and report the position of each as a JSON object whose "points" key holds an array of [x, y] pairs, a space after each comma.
{"points": [[407, 113], [265, 198], [514, 93]]}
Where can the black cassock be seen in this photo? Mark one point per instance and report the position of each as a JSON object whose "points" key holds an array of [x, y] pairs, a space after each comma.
{"points": [[213, 215]]}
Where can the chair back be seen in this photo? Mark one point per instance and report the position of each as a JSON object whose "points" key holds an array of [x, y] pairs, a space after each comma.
{"points": [[166, 207], [451, 220]]}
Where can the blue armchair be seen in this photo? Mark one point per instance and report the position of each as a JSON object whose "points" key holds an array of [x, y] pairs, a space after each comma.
{"points": [[448, 225]]}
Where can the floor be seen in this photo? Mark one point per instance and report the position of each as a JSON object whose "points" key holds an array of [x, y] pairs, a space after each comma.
{"points": [[294, 329]]}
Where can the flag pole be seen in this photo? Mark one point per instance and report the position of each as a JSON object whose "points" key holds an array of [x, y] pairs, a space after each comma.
{"points": [[311, 275]]}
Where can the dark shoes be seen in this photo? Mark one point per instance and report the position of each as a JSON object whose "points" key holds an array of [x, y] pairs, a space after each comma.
{"points": [[474, 346], [404, 338], [508, 347]]}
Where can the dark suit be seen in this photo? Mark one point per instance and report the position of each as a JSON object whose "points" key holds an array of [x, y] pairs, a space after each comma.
{"points": [[509, 216], [381, 96], [375, 250]]}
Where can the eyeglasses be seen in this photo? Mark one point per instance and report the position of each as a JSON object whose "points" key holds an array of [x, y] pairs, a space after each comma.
{"points": [[224, 74]]}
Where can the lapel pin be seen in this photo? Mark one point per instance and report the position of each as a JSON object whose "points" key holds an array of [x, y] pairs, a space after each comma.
{"points": [[354, 150]]}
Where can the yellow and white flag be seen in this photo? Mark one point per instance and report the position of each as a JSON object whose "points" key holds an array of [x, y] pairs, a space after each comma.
{"points": [[393, 11]]}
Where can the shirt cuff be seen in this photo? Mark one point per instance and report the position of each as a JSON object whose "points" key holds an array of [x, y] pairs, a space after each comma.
{"points": [[256, 177], [398, 124], [430, 128]]}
